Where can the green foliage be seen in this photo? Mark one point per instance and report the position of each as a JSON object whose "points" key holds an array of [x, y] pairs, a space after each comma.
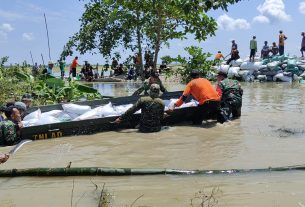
{"points": [[16, 81], [197, 60]]}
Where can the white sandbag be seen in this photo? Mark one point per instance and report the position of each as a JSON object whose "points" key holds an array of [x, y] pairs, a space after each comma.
{"points": [[262, 77], [303, 75], [296, 78], [233, 72], [282, 77], [236, 63], [64, 116], [122, 108], [47, 120], [34, 115], [54, 113], [170, 104], [223, 68], [98, 112], [254, 66], [30, 122], [75, 108], [262, 67], [246, 75], [273, 65]]}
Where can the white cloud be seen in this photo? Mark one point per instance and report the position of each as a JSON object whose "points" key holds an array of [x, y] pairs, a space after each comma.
{"points": [[261, 19], [5, 27], [274, 10], [27, 36], [10, 15], [228, 23], [302, 7]]}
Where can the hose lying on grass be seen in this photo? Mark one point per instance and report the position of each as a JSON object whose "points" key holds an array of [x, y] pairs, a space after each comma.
{"points": [[103, 171]]}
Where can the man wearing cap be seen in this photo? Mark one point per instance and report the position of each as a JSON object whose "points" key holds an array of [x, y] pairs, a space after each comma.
{"points": [[231, 93], [50, 67], [152, 111], [22, 108], [153, 79], [27, 100], [10, 128], [203, 91]]}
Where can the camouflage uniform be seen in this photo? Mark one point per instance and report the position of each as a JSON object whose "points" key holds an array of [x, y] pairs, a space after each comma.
{"points": [[152, 111], [231, 99], [8, 133], [146, 85]]}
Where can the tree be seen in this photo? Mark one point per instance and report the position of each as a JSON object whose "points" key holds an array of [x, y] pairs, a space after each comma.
{"points": [[107, 24]]}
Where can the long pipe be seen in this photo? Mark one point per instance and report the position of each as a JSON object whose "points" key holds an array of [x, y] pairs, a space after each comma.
{"points": [[104, 171]]}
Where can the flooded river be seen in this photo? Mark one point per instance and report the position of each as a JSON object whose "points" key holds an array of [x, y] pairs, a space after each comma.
{"points": [[270, 133]]}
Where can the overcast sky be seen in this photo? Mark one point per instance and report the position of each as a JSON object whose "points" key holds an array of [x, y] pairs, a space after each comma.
{"points": [[22, 28]]}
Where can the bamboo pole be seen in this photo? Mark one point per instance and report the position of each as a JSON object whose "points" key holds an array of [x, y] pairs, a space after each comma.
{"points": [[45, 20], [103, 171]]}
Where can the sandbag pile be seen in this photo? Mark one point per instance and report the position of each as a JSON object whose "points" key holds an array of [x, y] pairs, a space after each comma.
{"points": [[277, 68], [74, 112]]}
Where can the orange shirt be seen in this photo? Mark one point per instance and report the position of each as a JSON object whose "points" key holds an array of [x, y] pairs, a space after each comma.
{"points": [[74, 63], [218, 56], [201, 89]]}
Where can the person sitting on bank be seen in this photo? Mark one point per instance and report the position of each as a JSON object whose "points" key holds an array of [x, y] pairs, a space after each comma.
{"points": [[219, 56], [152, 111], [265, 51], [10, 128], [231, 93], [153, 79], [3, 158], [274, 49], [203, 91]]}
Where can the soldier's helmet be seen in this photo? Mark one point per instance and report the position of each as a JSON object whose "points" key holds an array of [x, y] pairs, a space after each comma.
{"points": [[154, 90]]}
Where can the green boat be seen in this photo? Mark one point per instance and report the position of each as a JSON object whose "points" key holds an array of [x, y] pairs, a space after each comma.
{"points": [[91, 126]]}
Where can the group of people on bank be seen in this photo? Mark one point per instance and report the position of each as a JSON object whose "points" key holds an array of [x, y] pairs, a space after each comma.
{"points": [[266, 51]]}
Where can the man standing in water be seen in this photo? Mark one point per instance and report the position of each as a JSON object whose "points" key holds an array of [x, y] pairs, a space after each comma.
{"points": [[153, 79], [231, 93], [152, 111], [203, 91], [282, 39]]}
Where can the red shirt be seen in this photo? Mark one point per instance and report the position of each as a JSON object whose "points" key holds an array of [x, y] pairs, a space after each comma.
{"points": [[74, 63]]}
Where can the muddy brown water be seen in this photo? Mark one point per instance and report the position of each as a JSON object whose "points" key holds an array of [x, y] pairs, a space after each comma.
{"points": [[269, 133]]}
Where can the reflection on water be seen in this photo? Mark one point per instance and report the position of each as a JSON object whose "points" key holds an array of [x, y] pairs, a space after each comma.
{"points": [[254, 141]]}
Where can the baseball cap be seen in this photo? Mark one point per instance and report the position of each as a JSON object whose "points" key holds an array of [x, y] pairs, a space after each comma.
{"points": [[195, 73], [20, 105]]}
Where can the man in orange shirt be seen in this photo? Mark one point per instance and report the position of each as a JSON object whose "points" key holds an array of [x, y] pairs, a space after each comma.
{"points": [[73, 66], [203, 91], [219, 55]]}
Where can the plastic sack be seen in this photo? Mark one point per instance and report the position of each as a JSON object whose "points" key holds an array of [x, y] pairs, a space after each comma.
{"points": [[47, 120], [54, 113], [64, 116], [282, 77], [236, 63], [233, 72], [34, 115], [273, 65], [99, 112], [122, 108], [30, 122], [75, 108], [262, 77], [254, 66], [246, 75], [223, 68]]}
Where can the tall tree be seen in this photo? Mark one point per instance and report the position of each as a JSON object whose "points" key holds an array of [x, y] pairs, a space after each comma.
{"points": [[107, 24]]}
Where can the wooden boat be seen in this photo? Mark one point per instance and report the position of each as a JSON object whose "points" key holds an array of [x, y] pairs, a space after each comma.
{"points": [[92, 126]]}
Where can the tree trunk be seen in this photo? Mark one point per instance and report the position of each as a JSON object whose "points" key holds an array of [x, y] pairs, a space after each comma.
{"points": [[140, 47]]}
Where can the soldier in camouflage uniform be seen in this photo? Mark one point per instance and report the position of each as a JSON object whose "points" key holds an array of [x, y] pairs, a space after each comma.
{"points": [[10, 128], [153, 79], [231, 97], [152, 111]]}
